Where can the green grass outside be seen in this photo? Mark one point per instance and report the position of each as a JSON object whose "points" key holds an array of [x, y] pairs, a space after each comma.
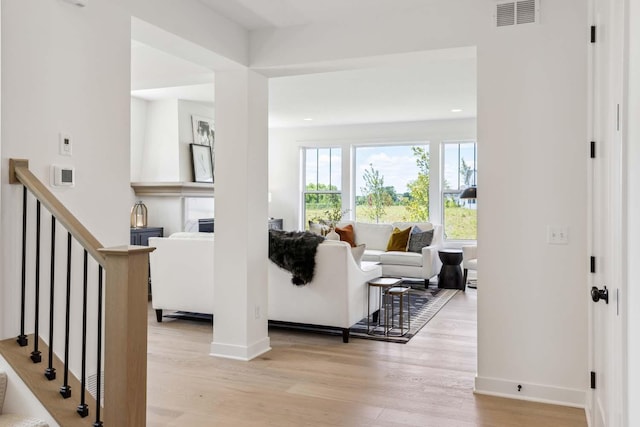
{"points": [[460, 223]]}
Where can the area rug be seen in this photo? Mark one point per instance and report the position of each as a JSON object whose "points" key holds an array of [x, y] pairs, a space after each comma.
{"points": [[425, 303]]}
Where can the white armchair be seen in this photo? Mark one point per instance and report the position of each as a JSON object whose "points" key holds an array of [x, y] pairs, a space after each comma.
{"points": [[469, 261], [182, 273]]}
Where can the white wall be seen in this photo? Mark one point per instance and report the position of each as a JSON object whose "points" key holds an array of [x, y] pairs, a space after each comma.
{"points": [[633, 159], [161, 132], [138, 136], [532, 125], [88, 98], [66, 68], [453, 23], [160, 153], [532, 317], [285, 145]]}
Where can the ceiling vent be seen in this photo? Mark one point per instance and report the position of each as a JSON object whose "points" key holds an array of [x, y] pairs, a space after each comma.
{"points": [[516, 13]]}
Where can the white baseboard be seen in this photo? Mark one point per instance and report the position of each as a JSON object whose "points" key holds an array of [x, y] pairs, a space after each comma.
{"points": [[575, 398], [239, 352]]}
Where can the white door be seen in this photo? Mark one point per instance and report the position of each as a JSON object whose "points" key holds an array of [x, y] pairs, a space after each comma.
{"points": [[607, 229]]}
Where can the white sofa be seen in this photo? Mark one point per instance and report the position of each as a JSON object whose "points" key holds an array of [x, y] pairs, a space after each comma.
{"points": [[422, 265], [182, 273], [335, 298]]}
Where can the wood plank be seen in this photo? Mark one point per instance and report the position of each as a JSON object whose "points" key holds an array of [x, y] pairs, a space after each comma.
{"points": [[316, 380], [48, 392]]}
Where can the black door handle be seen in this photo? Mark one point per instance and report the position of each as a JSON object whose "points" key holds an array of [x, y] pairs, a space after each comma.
{"points": [[598, 294]]}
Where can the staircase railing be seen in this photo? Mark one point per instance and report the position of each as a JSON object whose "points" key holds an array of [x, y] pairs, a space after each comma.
{"points": [[124, 272]]}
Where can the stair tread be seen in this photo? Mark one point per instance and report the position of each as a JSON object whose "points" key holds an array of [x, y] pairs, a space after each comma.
{"points": [[48, 392]]}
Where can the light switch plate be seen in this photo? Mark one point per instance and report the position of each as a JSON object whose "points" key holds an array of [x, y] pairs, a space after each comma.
{"points": [[66, 146]]}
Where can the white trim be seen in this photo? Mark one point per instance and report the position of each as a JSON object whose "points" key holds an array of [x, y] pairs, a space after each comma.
{"points": [[575, 398], [240, 352]]}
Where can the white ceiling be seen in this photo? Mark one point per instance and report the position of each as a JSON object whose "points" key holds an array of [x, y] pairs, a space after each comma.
{"points": [[411, 88], [259, 14]]}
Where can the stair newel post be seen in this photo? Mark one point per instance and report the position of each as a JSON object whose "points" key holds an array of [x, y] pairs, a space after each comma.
{"points": [[98, 422], [126, 292], [83, 408], [65, 390], [36, 357], [22, 338], [50, 372]]}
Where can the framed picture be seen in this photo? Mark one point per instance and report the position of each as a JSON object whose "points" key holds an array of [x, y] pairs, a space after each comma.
{"points": [[202, 130], [202, 163]]}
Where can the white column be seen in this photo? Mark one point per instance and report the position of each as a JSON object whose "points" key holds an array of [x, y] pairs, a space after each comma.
{"points": [[241, 240]]}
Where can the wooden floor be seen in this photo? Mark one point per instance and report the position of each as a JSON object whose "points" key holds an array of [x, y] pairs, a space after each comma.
{"points": [[315, 380]]}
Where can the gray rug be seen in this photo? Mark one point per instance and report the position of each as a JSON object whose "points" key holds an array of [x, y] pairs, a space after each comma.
{"points": [[425, 303]]}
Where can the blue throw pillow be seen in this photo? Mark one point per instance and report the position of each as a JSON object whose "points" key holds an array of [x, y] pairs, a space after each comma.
{"points": [[418, 239]]}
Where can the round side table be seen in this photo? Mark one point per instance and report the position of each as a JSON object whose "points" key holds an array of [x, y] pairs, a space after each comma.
{"points": [[450, 276]]}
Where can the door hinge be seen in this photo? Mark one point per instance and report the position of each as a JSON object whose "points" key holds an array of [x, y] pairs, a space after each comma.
{"points": [[593, 380], [593, 150], [593, 34], [592, 265]]}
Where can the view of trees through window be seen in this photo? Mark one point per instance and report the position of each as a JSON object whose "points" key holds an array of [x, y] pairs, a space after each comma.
{"points": [[459, 172], [322, 193], [392, 183]]}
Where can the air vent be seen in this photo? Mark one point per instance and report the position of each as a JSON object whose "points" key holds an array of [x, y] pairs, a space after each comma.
{"points": [[506, 14], [526, 12], [515, 13]]}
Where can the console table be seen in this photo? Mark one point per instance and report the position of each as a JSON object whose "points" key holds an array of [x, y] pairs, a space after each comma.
{"points": [[140, 237], [207, 225]]}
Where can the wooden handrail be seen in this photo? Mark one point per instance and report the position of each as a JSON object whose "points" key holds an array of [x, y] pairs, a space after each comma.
{"points": [[19, 173]]}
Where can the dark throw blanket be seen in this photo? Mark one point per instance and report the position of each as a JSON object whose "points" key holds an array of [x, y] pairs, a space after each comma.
{"points": [[295, 251]]}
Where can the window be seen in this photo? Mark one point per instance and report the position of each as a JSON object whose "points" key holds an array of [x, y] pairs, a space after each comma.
{"points": [[459, 171], [392, 183], [323, 182]]}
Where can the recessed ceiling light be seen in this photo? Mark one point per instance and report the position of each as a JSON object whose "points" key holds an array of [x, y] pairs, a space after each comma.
{"points": [[456, 110], [307, 119]]}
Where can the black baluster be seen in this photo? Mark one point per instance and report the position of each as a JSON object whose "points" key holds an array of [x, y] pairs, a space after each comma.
{"points": [[83, 408], [65, 390], [35, 354], [98, 422], [22, 338], [50, 372]]}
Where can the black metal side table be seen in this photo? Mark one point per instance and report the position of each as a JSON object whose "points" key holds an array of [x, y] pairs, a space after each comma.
{"points": [[450, 276]]}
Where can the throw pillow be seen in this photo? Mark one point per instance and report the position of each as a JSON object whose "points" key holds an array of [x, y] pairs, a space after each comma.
{"points": [[398, 240], [346, 234], [419, 239], [358, 252]]}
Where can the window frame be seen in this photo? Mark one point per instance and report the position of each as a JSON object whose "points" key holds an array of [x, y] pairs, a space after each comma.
{"points": [[305, 192], [444, 193]]}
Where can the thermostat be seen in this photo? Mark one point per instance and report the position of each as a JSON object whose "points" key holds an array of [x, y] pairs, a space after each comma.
{"points": [[63, 176]]}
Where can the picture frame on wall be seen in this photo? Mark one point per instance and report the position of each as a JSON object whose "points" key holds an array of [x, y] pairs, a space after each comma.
{"points": [[202, 163], [203, 132]]}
